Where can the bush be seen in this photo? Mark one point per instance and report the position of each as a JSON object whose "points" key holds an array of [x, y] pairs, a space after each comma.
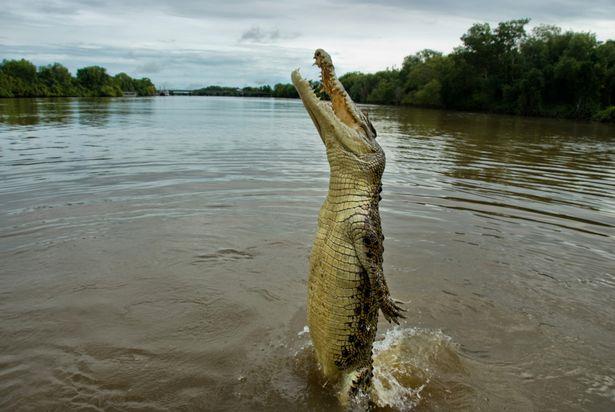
{"points": [[607, 115]]}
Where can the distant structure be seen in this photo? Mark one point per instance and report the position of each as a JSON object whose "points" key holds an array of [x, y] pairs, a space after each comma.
{"points": [[129, 94], [174, 92]]}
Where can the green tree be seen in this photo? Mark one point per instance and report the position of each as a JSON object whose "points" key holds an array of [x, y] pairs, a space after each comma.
{"points": [[21, 74], [284, 90], [606, 57], [124, 82], [5, 85], [20, 69], [491, 60], [144, 87], [96, 82], [387, 89], [421, 76], [57, 80], [358, 85], [530, 91]]}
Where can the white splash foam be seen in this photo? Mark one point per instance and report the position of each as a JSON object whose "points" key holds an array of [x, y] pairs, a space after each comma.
{"points": [[405, 361]]}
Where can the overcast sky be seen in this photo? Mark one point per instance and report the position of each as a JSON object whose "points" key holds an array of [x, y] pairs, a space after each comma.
{"points": [[192, 43]]}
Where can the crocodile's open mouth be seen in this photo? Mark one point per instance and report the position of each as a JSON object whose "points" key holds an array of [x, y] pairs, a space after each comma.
{"points": [[351, 126]]}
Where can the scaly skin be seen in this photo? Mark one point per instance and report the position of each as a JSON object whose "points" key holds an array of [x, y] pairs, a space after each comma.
{"points": [[346, 285]]}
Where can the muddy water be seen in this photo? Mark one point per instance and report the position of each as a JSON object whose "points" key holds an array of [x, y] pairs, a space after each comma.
{"points": [[154, 256]]}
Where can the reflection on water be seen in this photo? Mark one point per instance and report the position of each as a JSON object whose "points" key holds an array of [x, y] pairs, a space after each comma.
{"points": [[154, 256], [19, 111]]}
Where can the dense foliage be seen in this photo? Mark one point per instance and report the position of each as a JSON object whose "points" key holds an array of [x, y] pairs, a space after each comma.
{"points": [[20, 78], [285, 90], [503, 69]]}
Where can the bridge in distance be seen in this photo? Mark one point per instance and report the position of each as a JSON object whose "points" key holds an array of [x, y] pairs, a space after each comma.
{"points": [[175, 92]]}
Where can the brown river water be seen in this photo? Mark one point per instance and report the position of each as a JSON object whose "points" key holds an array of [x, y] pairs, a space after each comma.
{"points": [[154, 257]]}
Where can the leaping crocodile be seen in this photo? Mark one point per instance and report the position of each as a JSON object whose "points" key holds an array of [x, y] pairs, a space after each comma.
{"points": [[346, 285]]}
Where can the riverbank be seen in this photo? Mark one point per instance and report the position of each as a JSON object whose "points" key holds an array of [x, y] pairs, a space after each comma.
{"points": [[21, 78]]}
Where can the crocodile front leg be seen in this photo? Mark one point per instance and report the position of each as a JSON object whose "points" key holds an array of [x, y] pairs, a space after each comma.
{"points": [[367, 239]]}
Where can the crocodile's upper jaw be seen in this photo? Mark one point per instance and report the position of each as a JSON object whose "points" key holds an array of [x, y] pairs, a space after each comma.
{"points": [[338, 122]]}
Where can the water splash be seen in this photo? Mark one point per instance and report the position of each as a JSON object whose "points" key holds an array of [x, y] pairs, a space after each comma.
{"points": [[414, 366], [414, 369]]}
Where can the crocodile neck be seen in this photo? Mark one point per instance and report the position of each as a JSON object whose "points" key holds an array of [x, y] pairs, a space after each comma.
{"points": [[348, 192]]}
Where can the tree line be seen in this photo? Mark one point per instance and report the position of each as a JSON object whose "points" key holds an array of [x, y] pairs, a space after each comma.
{"points": [[503, 69], [21, 78], [279, 90]]}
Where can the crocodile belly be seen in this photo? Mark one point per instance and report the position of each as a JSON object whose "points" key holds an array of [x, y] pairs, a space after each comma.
{"points": [[342, 315]]}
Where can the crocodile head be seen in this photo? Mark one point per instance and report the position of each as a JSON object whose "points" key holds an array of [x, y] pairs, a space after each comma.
{"points": [[345, 130]]}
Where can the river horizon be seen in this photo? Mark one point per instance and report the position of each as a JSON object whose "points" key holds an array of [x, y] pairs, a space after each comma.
{"points": [[154, 256]]}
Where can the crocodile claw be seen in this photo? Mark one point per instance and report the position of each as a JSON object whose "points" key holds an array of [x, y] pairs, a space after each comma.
{"points": [[392, 310]]}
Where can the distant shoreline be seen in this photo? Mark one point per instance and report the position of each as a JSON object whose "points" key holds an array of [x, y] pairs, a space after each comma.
{"points": [[21, 78]]}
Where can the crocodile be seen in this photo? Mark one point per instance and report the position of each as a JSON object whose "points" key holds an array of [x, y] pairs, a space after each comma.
{"points": [[346, 284]]}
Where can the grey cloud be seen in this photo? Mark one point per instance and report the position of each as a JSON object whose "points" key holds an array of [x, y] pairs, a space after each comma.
{"points": [[234, 9], [255, 34], [57, 8], [258, 35], [479, 10], [100, 51], [266, 10], [183, 8], [149, 68]]}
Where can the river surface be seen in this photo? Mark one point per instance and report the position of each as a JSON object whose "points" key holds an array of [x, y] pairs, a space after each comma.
{"points": [[154, 255]]}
